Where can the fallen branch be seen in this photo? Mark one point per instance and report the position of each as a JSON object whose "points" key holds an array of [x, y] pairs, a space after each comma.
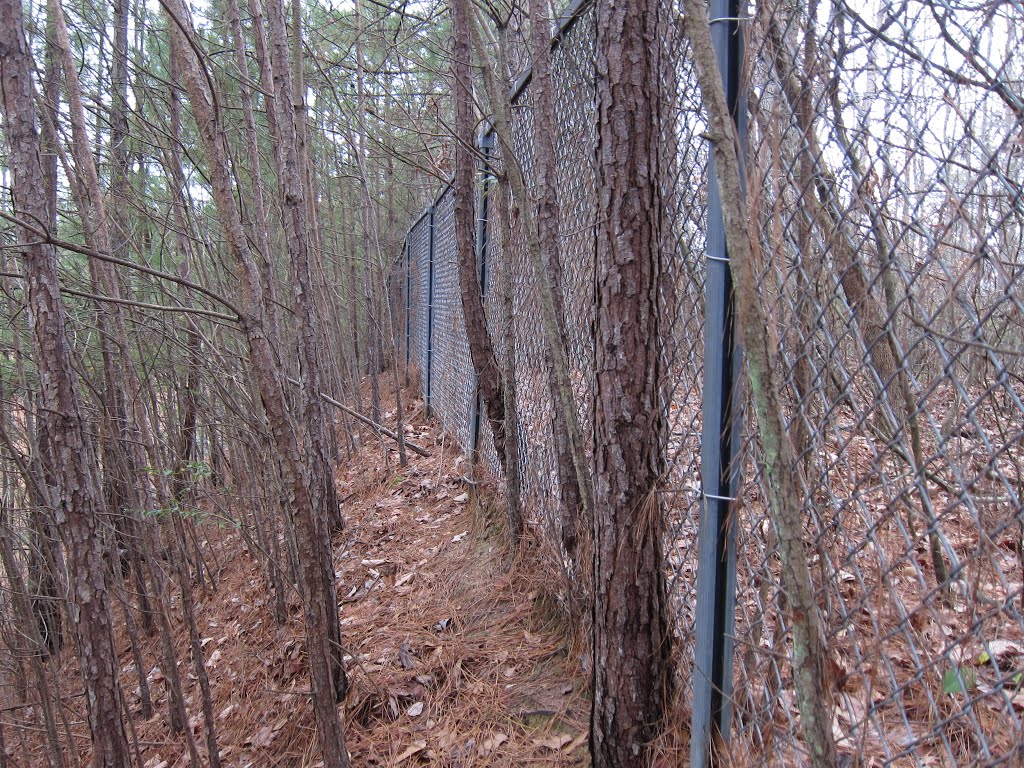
{"points": [[380, 429]]}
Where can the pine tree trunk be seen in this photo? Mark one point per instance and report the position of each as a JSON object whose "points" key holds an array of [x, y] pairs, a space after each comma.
{"points": [[481, 347], [78, 500], [632, 639], [128, 487], [311, 498]]}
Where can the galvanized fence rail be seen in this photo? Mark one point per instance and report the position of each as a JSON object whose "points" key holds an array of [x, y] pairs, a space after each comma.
{"points": [[885, 152]]}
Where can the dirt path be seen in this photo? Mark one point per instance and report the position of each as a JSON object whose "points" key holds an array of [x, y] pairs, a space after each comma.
{"points": [[455, 655]]}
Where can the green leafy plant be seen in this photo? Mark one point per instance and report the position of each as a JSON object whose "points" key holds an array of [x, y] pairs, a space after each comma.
{"points": [[959, 680]]}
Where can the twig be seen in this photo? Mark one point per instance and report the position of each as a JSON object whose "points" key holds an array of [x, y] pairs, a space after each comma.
{"points": [[379, 428]]}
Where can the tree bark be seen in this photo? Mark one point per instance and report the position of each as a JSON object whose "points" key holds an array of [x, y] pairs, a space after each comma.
{"points": [[261, 228], [549, 230], [481, 348], [77, 496], [632, 639]]}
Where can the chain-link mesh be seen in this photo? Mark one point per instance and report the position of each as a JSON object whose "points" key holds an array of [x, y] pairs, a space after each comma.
{"points": [[453, 385], [885, 152], [574, 146], [420, 248], [884, 174]]}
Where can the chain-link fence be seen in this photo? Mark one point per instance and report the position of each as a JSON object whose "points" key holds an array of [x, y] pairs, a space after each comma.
{"points": [[884, 165]]}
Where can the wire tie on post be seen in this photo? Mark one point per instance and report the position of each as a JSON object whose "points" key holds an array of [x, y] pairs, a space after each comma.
{"points": [[719, 498], [729, 18], [723, 259]]}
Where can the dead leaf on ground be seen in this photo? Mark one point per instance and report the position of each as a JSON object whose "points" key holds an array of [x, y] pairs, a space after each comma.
{"points": [[413, 749], [490, 743], [405, 657], [554, 742]]}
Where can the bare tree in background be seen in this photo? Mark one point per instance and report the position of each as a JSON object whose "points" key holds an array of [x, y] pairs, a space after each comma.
{"points": [[308, 498]]}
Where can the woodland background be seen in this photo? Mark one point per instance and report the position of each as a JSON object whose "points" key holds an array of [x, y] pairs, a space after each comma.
{"points": [[689, 408]]}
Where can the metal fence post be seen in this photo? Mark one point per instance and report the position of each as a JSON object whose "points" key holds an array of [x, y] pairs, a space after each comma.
{"points": [[408, 306], [720, 441], [483, 208], [430, 308]]}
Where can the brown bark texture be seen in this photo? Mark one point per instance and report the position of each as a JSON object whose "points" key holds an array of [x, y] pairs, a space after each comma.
{"points": [[76, 494], [481, 347], [631, 636]]}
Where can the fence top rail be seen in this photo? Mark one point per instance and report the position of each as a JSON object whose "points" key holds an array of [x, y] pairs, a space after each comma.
{"points": [[426, 211], [568, 18]]}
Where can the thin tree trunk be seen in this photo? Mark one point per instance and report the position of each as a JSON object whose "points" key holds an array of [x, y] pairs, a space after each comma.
{"points": [[314, 422], [513, 476], [261, 228], [46, 569], [359, 145], [120, 191], [195, 641], [177, 713], [35, 652], [185, 458], [563, 395], [548, 219], [78, 499], [481, 348], [780, 466], [51, 108], [309, 484], [132, 630]]}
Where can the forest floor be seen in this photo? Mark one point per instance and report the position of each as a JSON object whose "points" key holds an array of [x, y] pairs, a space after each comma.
{"points": [[455, 653]]}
